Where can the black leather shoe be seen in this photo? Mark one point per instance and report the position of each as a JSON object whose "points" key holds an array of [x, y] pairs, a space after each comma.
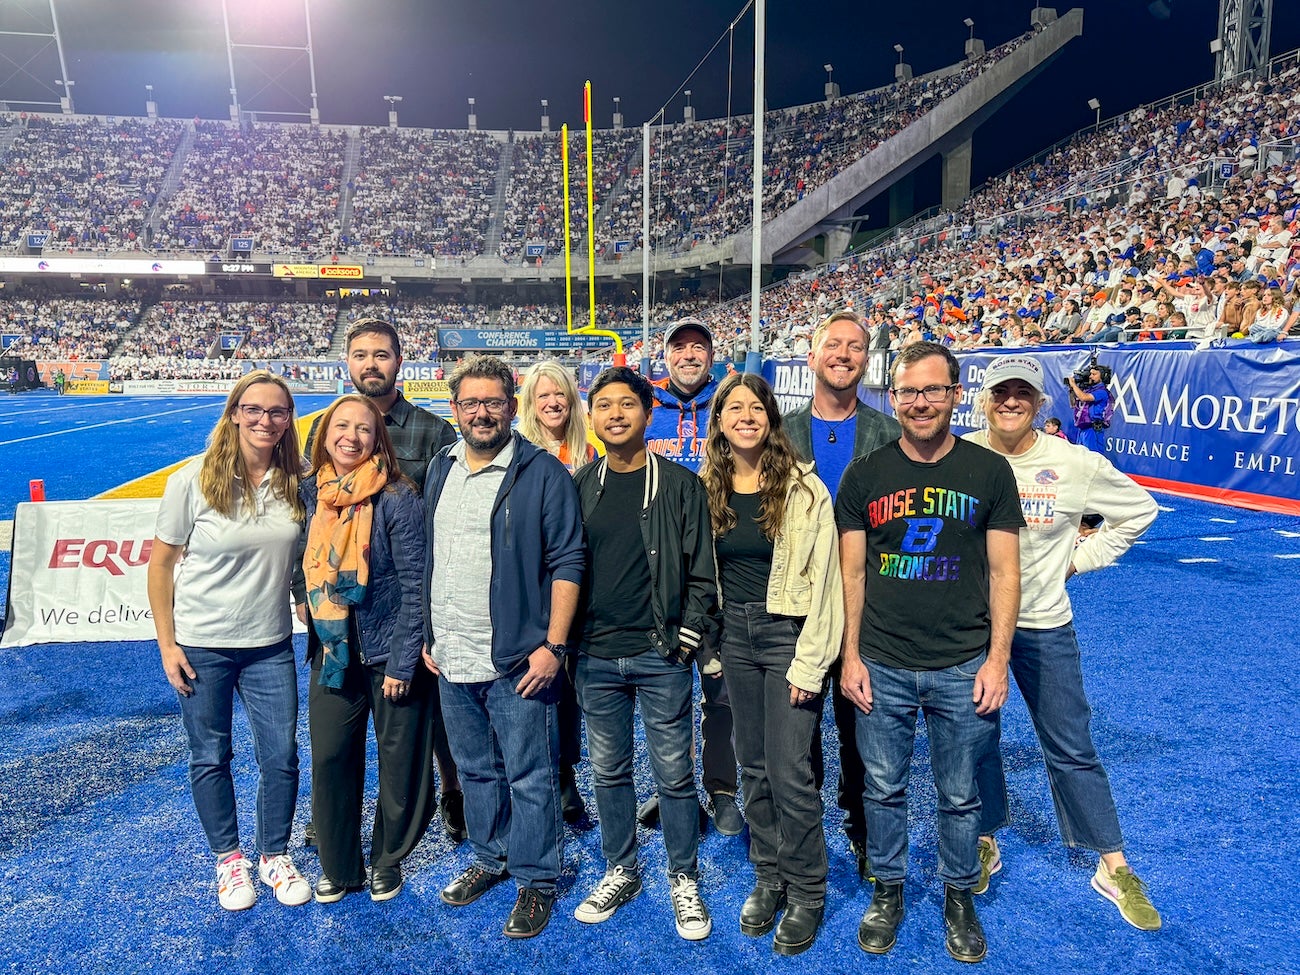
{"points": [[726, 817], [328, 892], [385, 882], [309, 834], [647, 814], [572, 808], [452, 806], [965, 937], [879, 928], [797, 930], [472, 884], [530, 915], [758, 914]]}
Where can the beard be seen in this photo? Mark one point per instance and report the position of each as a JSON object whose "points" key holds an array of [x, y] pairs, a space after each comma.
{"points": [[937, 432], [376, 386], [486, 438]]}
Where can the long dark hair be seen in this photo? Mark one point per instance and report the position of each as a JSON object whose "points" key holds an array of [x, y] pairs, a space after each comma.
{"points": [[779, 463]]}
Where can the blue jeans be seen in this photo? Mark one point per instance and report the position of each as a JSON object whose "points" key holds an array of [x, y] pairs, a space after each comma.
{"points": [[958, 737], [266, 680], [1046, 666], [608, 691], [787, 841], [507, 748]]}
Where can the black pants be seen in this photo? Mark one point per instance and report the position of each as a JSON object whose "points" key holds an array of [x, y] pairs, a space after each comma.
{"points": [[338, 721], [570, 716], [848, 791], [716, 734]]}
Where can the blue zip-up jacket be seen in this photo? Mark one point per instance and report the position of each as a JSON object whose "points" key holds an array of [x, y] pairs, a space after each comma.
{"points": [[677, 427], [386, 618], [536, 539]]}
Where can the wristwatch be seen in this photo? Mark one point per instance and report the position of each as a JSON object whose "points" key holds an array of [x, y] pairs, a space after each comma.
{"points": [[560, 650]]}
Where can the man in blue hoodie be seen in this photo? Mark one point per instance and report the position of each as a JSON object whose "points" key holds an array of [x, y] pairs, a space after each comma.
{"points": [[502, 580], [677, 430]]}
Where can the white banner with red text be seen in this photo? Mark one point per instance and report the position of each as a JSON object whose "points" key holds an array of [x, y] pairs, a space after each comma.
{"points": [[79, 572]]}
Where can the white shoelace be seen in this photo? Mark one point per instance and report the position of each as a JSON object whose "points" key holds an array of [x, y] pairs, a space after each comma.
{"points": [[610, 886], [686, 899]]}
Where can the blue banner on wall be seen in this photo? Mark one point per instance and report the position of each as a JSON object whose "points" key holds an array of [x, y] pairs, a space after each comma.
{"points": [[1223, 422], [502, 340]]}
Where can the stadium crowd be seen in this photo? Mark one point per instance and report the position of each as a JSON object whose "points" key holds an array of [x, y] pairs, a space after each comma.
{"points": [[87, 182], [279, 184], [422, 192], [65, 328]]}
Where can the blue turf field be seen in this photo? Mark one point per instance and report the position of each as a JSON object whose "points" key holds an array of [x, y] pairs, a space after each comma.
{"points": [[1189, 653]]}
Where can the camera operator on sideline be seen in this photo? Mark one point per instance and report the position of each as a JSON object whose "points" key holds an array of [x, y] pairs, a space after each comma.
{"points": [[1090, 398]]}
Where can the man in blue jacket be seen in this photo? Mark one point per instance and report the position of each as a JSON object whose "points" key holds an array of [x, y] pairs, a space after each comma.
{"points": [[505, 568], [677, 431]]}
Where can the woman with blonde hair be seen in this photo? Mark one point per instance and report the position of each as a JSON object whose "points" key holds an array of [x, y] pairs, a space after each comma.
{"points": [[231, 519], [551, 414], [783, 618], [362, 566]]}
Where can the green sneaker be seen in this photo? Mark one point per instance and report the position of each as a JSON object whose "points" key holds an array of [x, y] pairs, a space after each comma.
{"points": [[1126, 891], [990, 863]]}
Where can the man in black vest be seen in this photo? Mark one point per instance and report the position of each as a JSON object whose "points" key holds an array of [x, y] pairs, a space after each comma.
{"points": [[829, 432]]}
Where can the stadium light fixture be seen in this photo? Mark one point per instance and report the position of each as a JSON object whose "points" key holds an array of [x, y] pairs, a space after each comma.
{"points": [[1096, 107], [899, 49], [1216, 45], [618, 113], [393, 101], [971, 24], [828, 68]]}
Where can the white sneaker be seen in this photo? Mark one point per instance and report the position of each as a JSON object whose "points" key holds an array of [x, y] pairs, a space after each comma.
{"points": [[280, 874], [614, 890], [693, 921], [235, 889]]}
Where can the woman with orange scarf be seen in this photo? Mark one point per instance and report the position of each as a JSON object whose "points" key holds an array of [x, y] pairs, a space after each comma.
{"points": [[363, 567]]}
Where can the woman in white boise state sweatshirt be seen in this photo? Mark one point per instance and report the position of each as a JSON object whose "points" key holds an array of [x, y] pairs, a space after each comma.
{"points": [[1059, 482]]}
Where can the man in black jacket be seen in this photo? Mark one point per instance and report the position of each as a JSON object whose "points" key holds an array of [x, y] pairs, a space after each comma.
{"points": [[829, 432], [650, 597]]}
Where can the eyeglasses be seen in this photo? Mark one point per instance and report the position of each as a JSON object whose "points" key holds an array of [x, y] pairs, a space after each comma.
{"points": [[252, 413], [932, 394], [495, 407]]}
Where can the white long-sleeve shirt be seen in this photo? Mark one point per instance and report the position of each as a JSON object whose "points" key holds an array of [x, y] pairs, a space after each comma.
{"points": [[1060, 482]]}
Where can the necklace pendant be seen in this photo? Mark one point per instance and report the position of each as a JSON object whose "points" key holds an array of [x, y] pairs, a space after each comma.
{"points": [[830, 436]]}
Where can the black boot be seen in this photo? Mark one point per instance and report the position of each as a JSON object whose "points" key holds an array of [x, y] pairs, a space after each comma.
{"points": [[965, 938], [758, 914], [879, 928], [797, 930]]}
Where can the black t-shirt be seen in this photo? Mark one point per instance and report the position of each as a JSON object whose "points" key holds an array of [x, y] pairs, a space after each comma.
{"points": [[744, 553], [927, 588], [618, 593]]}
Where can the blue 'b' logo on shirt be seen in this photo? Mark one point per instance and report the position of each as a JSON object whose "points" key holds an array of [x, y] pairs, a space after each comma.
{"points": [[922, 535]]}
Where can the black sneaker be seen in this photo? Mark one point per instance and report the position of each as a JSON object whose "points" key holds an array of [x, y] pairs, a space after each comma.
{"points": [[530, 915], [615, 889], [726, 817]]}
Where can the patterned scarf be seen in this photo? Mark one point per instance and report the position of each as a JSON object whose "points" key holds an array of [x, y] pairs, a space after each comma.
{"points": [[337, 560]]}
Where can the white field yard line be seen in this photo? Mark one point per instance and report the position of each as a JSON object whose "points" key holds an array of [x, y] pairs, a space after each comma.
{"points": [[109, 423]]}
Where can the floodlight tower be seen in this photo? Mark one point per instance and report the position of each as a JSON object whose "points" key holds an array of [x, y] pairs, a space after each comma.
{"points": [[393, 101], [16, 53], [285, 58], [832, 89], [1242, 45]]}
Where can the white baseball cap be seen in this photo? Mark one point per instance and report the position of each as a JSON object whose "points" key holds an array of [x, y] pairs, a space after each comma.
{"points": [[1024, 367]]}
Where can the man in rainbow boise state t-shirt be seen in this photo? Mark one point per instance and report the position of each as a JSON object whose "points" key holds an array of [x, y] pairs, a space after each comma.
{"points": [[929, 544]]}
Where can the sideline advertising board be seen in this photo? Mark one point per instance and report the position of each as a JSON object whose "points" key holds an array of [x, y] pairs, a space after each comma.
{"points": [[76, 578]]}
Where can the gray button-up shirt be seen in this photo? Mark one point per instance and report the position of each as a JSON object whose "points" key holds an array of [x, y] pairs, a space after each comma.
{"points": [[459, 593]]}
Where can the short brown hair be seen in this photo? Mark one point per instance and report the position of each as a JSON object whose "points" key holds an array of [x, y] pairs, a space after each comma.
{"points": [[374, 326], [483, 367], [844, 315]]}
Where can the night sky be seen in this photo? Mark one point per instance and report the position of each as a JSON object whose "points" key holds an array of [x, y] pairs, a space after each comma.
{"points": [[509, 54]]}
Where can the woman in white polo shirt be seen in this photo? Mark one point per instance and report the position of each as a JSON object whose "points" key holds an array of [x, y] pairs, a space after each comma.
{"points": [[232, 520]]}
